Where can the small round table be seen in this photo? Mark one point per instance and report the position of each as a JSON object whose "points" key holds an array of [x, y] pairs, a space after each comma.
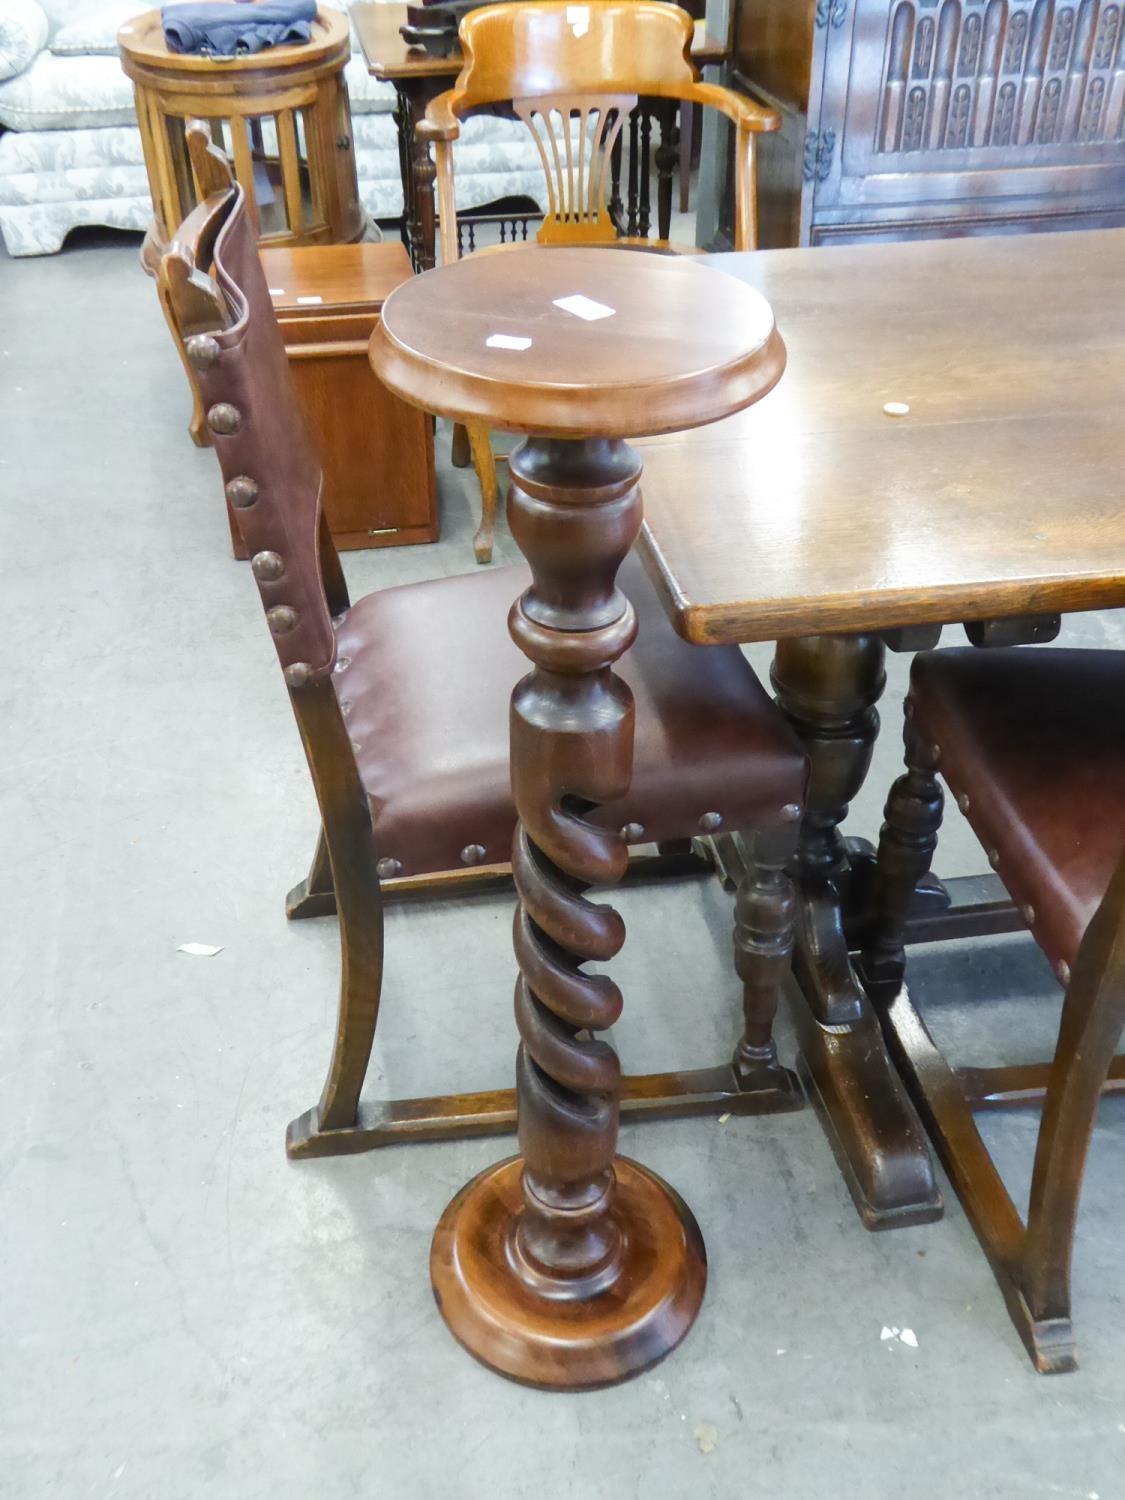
{"points": [[569, 1266], [281, 115]]}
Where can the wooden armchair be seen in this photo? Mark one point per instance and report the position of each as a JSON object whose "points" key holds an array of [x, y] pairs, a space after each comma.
{"points": [[574, 74], [402, 703], [1032, 742]]}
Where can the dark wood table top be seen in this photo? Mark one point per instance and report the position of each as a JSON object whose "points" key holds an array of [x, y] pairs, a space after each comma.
{"points": [[577, 341], [1001, 492], [389, 57]]}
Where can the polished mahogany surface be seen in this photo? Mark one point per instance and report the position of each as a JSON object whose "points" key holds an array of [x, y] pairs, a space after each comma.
{"points": [[640, 344], [999, 492]]}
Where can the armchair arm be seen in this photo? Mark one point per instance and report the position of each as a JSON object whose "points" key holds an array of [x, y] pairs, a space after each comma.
{"points": [[746, 114], [440, 122]]}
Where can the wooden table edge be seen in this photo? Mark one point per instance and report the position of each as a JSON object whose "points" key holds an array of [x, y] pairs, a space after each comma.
{"points": [[885, 609], [568, 411]]}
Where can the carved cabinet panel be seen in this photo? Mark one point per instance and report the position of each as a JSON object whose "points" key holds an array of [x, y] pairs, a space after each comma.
{"points": [[929, 117]]}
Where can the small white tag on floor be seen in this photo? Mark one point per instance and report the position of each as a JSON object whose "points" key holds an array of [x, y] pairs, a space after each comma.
{"points": [[506, 341], [198, 950], [584, 307]]}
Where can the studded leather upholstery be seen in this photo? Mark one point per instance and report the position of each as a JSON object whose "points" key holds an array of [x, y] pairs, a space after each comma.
{"points": [[424, 676], [1032, 742], [268, 448], [424, 673]]}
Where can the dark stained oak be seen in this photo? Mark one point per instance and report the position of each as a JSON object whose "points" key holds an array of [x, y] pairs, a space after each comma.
{"points": [[998, 494], [838, 530], [571, 1267]]}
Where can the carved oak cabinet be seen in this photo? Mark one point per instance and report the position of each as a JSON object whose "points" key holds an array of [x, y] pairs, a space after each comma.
{"points": [[906, 119]]}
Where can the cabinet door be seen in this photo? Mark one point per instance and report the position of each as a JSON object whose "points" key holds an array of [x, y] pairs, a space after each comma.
{"points": [[970, 110]]}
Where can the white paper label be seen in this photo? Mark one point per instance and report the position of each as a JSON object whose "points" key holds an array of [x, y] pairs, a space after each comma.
{"points": [[309, 301], [585, 307], [578, 19], [506, 341]]}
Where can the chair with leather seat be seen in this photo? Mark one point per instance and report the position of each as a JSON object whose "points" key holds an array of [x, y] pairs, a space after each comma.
{"points": [[1031, 740], [574, 77], [402, 704]]}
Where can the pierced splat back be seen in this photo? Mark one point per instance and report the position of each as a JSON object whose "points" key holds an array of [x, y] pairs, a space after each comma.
{"points": [[573, 73], [576, 137]]}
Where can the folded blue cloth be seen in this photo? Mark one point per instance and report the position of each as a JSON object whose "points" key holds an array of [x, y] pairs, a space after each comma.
{"points": [[227, 30]]}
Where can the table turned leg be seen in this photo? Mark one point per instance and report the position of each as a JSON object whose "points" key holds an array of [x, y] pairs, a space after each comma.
{"points": [[569, 1266], [828, 687]]}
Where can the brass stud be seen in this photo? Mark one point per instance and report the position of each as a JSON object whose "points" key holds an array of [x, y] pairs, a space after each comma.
{"points": [[387, 869], [282, 618], [345, 706], [472, 854], [298, 674], [267, 567], [224, 418], [994, 858], [711, 821], [356, 746], [1028, 914], [790, 812], [342, 664], [633, 833], [202, 351], [963, 802], [242, 492], [1063, 971]]}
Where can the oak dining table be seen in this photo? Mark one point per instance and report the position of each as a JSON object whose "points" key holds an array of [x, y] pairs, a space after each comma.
{"points": [[947, 447]]}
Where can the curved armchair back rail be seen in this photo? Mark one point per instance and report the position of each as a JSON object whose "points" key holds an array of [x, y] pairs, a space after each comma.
{"points": [[568, 71]]}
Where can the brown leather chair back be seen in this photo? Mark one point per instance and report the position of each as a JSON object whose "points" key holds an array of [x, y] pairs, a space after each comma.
{"points": [[272, 479]]}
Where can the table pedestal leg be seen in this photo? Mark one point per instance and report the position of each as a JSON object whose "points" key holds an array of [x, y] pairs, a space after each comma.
{"points": [[828, 686], [569, 1266]]}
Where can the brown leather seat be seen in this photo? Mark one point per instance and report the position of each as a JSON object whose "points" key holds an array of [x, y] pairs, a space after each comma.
{"points": [[1032, 741], [424, 675]]}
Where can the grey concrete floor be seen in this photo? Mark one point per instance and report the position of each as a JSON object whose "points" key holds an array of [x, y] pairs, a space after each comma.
{"points": [[185, 1314]]}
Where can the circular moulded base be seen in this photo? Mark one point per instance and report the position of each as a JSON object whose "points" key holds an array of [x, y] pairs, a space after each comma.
{"points": [[556, 1342]]}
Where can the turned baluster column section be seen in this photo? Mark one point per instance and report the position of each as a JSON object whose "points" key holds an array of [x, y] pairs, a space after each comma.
{"points": [[574, 510]]}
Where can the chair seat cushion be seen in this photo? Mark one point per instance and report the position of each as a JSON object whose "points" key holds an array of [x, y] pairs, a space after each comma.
{"points": [[1034, 738], [424, 676]]}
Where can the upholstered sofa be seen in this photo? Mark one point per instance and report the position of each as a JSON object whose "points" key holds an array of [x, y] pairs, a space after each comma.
{"points": [[70, 152]]}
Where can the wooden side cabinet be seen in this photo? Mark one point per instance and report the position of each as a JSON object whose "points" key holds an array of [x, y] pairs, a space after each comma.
{"points": [[377, 453], [927, 118]]}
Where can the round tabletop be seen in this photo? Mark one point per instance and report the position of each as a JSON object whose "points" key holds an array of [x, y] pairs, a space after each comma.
{"points": [[578, 342], [141, 40]]}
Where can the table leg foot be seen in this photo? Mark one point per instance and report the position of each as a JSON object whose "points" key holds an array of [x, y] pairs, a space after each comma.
{"points": [[871, 1125], [627, 1314]]}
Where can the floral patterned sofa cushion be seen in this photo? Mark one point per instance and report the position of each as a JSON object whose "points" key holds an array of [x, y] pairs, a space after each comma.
{"points": [[23, 32]]}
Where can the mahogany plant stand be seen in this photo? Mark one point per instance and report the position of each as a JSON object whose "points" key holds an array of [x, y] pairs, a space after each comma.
{"points": [[568, 1266]]}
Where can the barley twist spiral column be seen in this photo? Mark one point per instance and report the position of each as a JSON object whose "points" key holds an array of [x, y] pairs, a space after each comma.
{"points": [[601, 1267], [569, 1266]]}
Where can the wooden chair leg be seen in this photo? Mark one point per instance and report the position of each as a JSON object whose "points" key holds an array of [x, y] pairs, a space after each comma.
{"points": [[461, 455], [907, 842], [360, 907], [1089, 1032], [484, 461], [765, 910], [315, 896]]}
